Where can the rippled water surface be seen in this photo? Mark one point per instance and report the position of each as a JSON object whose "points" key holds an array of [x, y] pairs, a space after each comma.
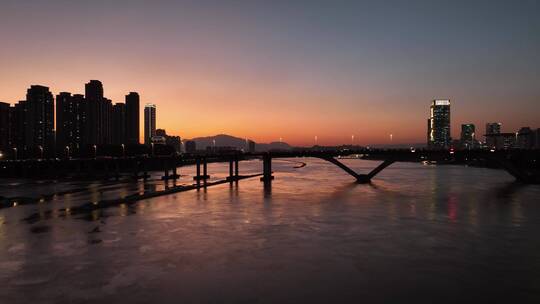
{"points": [[418, 233]]}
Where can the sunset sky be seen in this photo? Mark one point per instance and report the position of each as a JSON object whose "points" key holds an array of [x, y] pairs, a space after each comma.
{"points": [[289, 69]]}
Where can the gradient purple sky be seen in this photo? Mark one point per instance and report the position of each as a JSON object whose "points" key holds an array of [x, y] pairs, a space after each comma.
{"points": [[289, 69]]}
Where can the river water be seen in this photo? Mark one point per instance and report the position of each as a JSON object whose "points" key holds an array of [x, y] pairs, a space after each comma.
{"points": [[428, 234]]}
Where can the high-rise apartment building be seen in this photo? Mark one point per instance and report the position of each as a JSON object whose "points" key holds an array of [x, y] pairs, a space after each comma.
{"points": [[93, 94], [467, 138], [39, 118], [70, 121], [132, 118], [149, 122], [492, 129], [119, 124]]}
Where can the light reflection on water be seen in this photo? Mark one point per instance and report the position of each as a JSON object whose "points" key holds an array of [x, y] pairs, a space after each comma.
{"points": [[417, 232]]}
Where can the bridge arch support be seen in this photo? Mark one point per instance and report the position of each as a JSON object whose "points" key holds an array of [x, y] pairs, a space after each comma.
{"points": [[360, 178]]}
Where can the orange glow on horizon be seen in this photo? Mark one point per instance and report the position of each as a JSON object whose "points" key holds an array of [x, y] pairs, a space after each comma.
{"points": [[202, 109]]}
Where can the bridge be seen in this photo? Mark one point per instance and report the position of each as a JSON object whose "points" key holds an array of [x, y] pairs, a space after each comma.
{"points": [[523, 165]]}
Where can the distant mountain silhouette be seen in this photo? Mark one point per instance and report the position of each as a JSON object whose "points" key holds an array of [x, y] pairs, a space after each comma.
{"points": [[224, 140]]}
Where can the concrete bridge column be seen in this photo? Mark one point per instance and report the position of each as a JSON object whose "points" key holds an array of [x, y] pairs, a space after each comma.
{"points": [[233, 169], [267, 168], [205, 169], [175, 174], [231, 172], [204, 176], [165, 170], [198, 164], [236, 173]]}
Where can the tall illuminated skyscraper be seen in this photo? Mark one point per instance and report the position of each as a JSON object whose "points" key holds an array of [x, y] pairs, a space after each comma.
{"points": [[438, 135], [149, 122]]}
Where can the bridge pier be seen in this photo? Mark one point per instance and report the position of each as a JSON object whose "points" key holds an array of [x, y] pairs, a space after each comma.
{"points": [[360, 178], [231, 176], [205, 169], [233, 169], [267, 168], [140, 165], [205, 175], [175, 174], [167, 167], [165, 170], [236, 171]]}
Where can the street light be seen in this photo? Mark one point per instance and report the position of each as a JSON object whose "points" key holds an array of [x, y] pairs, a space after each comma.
{"points": [[123, 150], [67, 152], [15, 153], [95, 151]]}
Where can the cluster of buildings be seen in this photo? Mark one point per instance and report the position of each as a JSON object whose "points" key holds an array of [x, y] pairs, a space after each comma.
{"points": [[439, 137], [89, 121]]}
